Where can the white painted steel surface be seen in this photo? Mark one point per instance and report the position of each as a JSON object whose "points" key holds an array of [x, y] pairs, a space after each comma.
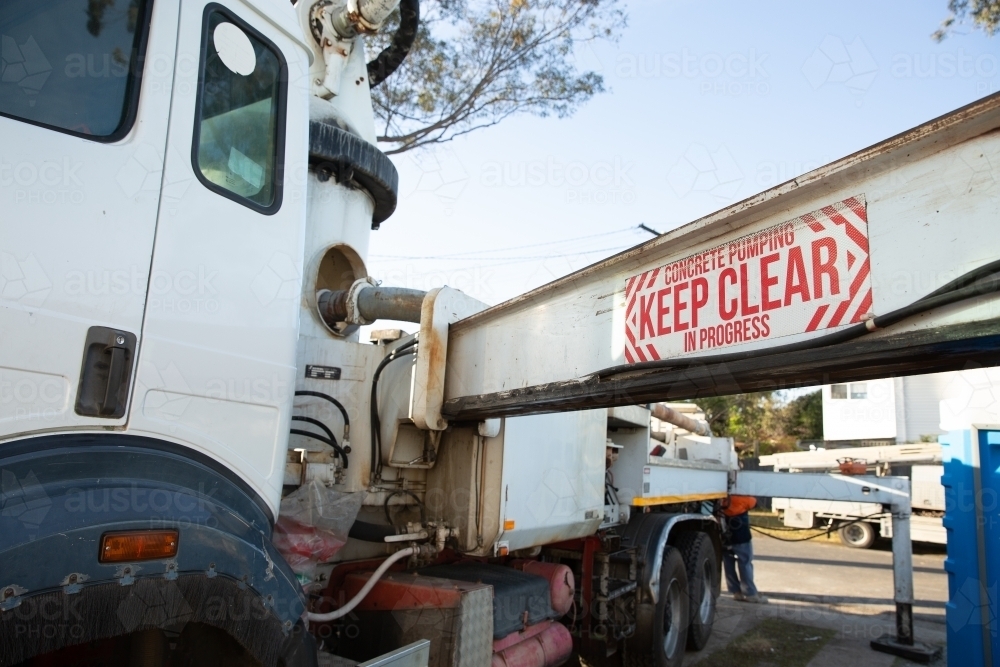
{"points": [[220, 379], [927, 492], [440, 309], [828, 508], [893, 492], [644, 480], [826, 459], [553, 477], [77, 228], [938, 179], [922, 528]]}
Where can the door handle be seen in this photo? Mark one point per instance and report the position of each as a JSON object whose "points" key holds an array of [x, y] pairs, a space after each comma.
{"points": [[116, 371], [106, 373]]}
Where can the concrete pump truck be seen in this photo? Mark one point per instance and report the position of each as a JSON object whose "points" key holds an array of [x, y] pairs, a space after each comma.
{"points": [[187, 190]]}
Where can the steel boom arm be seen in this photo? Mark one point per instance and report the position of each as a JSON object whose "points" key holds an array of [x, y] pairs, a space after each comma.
{"points": [[879, 264]]}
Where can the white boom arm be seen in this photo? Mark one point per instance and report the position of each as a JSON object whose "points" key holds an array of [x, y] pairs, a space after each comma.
{"points": [[839, 251]]}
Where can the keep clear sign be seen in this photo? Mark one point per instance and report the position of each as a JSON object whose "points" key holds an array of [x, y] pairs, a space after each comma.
{"points": [[802, 275]]}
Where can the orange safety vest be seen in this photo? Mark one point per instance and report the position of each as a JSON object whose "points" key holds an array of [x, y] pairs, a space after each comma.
{"points": [[737, 505]]}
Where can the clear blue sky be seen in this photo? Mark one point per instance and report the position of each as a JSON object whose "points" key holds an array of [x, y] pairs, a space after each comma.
{"points": [[707, 103]]}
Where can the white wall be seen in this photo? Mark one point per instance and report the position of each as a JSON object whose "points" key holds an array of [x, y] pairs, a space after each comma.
{"points": [[921, 395], [860, 418], [909, 408]]}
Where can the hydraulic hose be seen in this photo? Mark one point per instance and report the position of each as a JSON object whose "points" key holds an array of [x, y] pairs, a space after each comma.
{"points": [[365, 590], [978, 282], [397, 492], [337, 448], [317, 423], [407, 348], [337, 404], [393, 55]]}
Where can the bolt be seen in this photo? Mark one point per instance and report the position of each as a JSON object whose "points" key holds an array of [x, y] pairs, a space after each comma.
{"points": [[72, 578], [8, 593], [120, 339]]}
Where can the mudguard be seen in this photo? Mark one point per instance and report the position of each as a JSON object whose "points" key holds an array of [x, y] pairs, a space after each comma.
{"points": [[60, 494]]}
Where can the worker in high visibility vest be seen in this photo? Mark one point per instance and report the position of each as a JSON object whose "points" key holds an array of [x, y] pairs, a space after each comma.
{"points": [[737, 558]]}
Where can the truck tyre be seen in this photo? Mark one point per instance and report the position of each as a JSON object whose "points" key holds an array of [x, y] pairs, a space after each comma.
{"points": [[860, 535], [702, 566], [661, 629]]}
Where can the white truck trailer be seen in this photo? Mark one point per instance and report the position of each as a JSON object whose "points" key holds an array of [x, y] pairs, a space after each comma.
{"points": [[188, 191], [860, 523]]}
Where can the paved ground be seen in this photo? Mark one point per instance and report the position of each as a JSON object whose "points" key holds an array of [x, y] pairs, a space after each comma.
{"points": [[823, 584]]}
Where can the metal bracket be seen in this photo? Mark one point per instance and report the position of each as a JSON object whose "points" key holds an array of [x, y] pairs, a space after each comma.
{"points": [[440, 308], [353, 312]]}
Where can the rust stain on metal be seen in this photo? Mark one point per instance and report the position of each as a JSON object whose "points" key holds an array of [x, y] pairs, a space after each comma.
{"points": [[436, 348]]}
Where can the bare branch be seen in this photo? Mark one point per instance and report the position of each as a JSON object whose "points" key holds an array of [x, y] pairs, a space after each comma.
{"points": [[477, 62]]}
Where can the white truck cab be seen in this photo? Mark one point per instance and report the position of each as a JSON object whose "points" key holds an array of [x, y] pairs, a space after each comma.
{"points": [[153, 161]]}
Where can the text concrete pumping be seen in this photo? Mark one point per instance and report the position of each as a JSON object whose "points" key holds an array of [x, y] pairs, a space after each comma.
{"points": [[812, 272]]}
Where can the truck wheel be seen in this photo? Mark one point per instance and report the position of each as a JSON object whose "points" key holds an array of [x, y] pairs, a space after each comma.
{"points": [[660, 636], [859, 535], [703, 586]]}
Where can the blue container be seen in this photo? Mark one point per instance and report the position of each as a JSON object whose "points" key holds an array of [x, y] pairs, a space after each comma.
{"points": [[972, 519]]}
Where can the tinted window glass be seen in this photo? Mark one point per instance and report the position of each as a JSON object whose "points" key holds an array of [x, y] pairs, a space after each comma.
{"points": [[67, 63], [240, 113]]}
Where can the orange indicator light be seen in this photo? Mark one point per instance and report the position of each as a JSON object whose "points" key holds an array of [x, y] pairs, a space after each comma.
{"points": [[136, 545]]}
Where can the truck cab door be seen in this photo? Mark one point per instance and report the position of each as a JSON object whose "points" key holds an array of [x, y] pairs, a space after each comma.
{"points": [[217, 365], [82, 137]]}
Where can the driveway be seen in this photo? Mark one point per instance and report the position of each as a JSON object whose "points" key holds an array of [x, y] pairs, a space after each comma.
{"points": [[847, 592]]}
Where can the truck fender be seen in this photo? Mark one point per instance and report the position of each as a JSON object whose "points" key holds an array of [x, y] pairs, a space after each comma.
{"points": [[649, 534]]}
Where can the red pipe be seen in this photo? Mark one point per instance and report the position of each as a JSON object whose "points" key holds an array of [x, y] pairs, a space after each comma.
{"points": [[500, 645], [547, 649], [562, 583]]}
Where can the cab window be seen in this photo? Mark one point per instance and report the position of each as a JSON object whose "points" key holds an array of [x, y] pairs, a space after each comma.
{"points": [[239, 124], [73, 65]]}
